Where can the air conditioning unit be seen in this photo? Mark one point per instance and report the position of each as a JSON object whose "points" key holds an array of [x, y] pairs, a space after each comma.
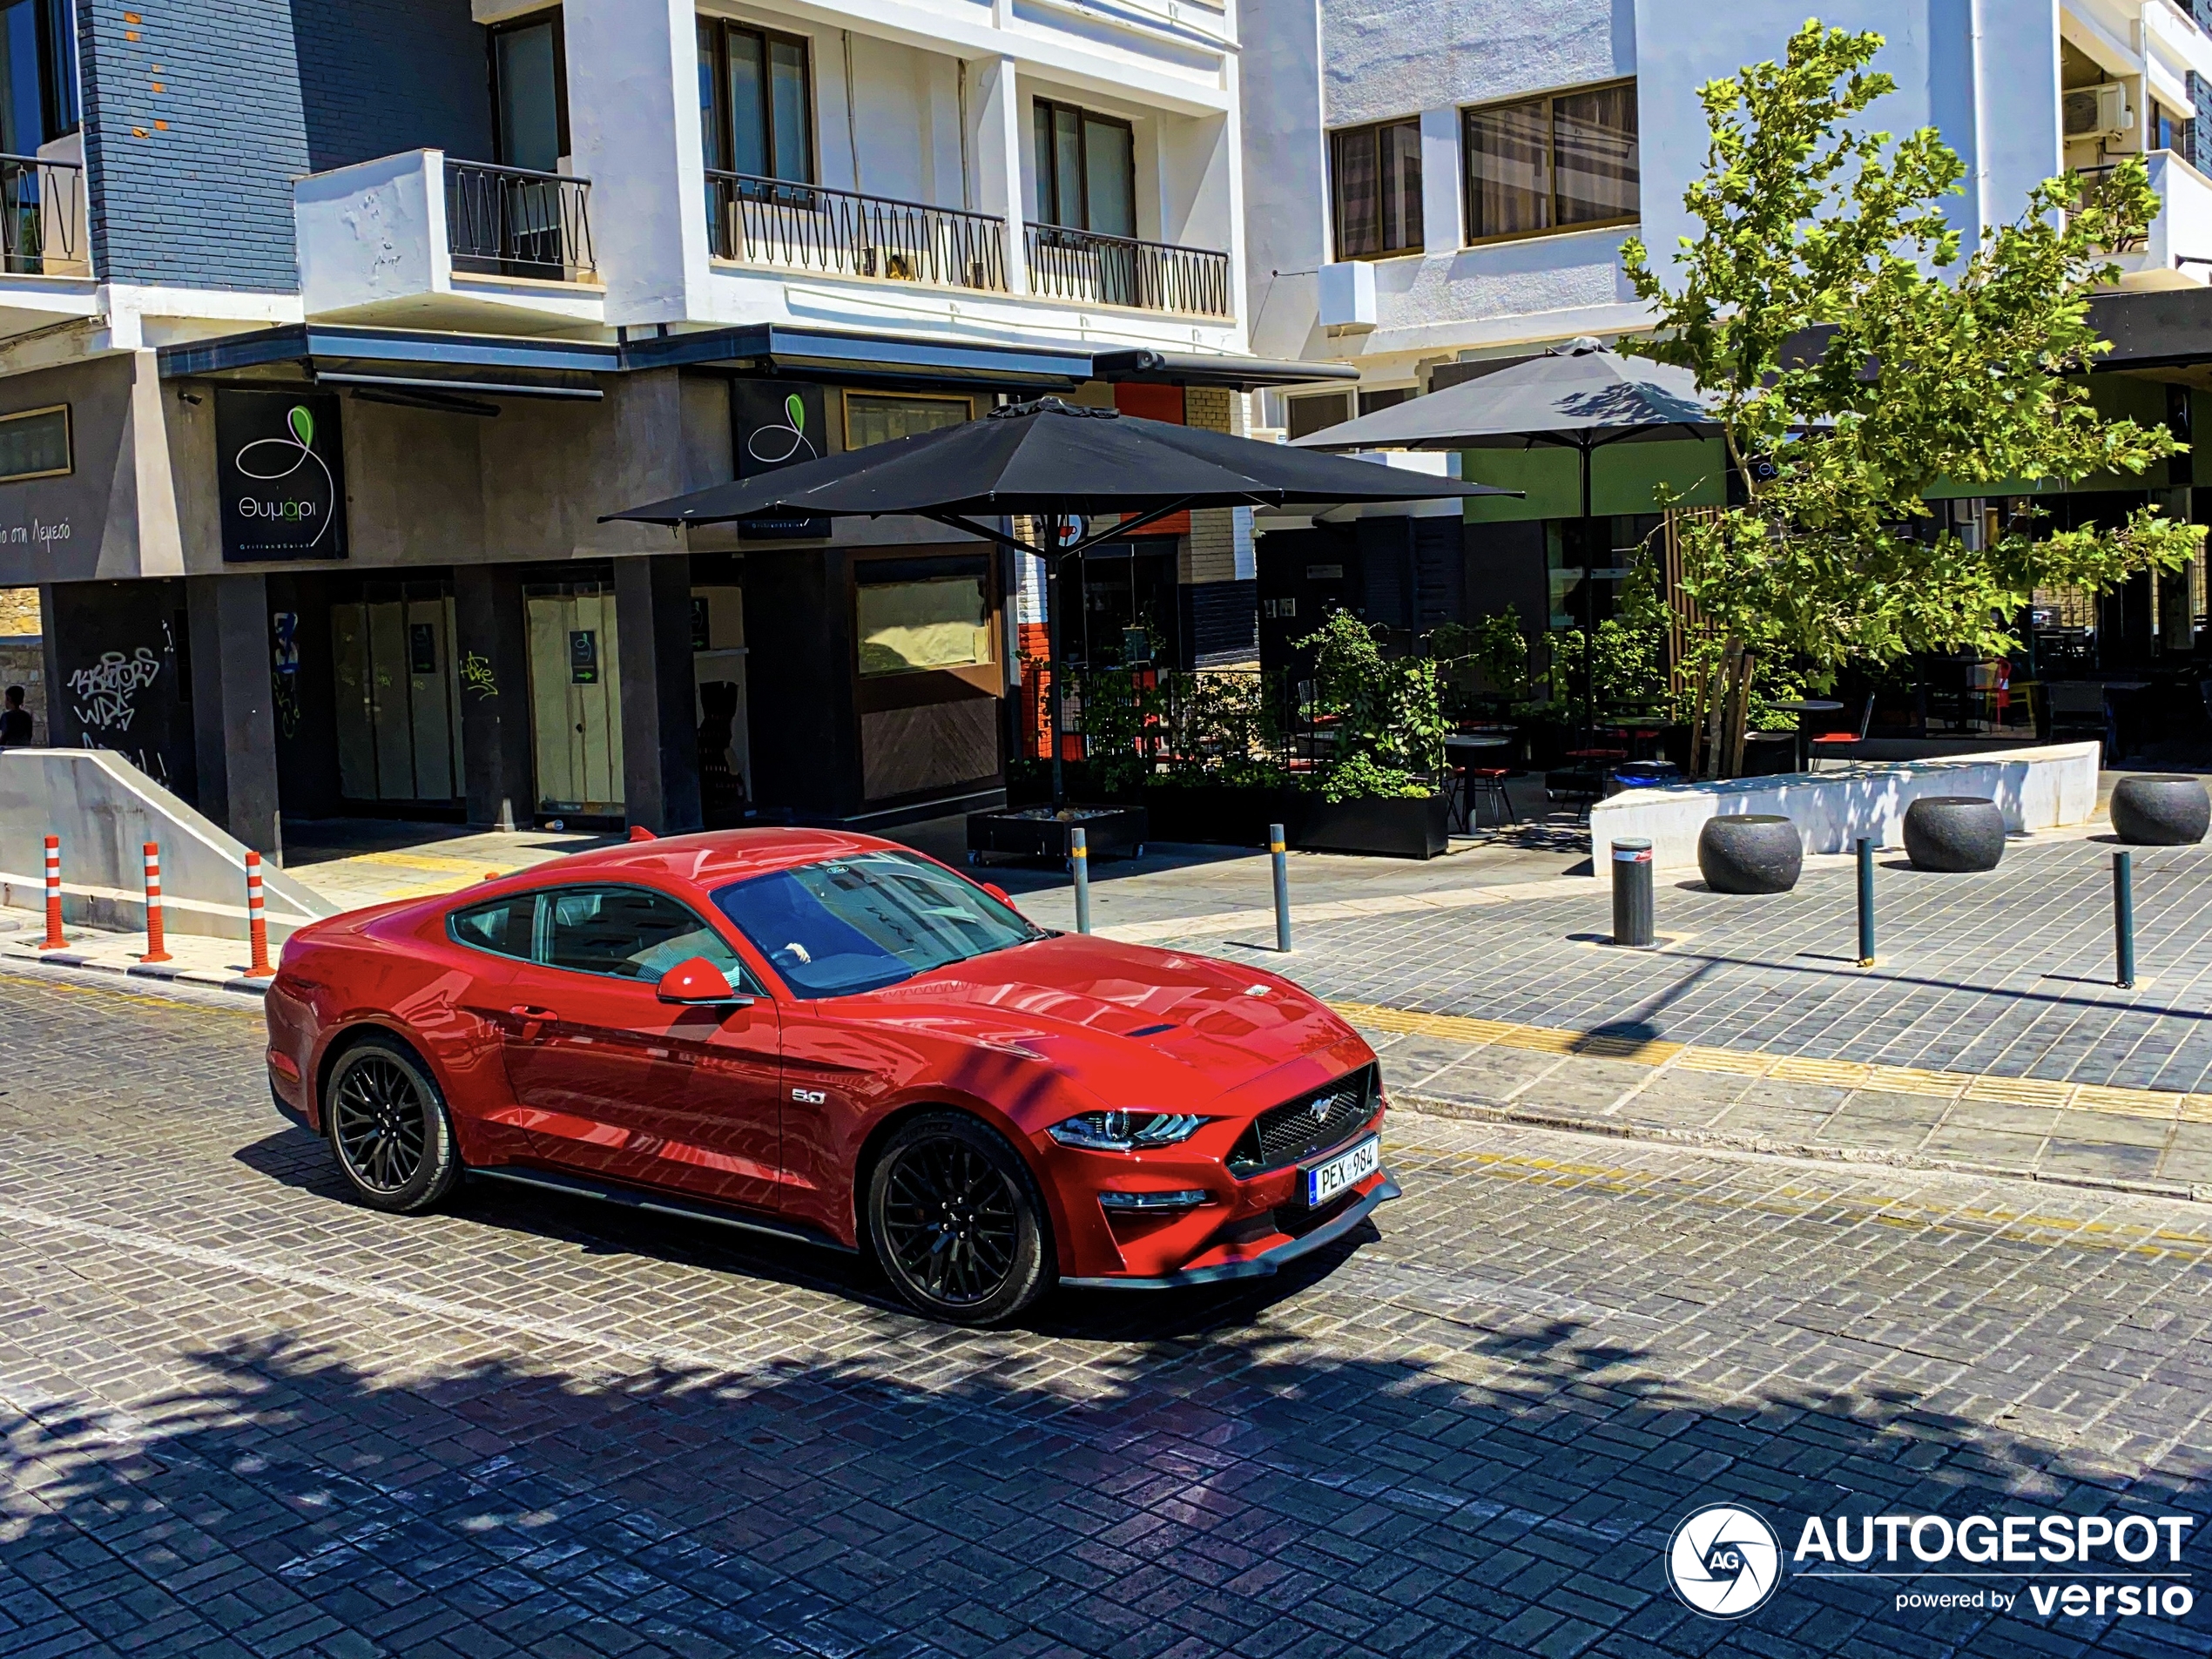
{"points": [[2097, 111]]}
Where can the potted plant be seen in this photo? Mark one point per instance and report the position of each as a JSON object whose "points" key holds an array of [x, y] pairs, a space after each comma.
{"points": [[1373, 787]]}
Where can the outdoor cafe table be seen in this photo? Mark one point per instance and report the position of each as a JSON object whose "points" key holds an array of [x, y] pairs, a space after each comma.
{"points": [[1467, 748]]}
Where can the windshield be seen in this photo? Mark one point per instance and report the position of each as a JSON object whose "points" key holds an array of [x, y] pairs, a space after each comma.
{"points": [[860, 923]]}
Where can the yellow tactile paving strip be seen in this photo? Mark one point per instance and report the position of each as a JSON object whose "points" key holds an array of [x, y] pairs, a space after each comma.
{"points": [[1751, 1063]]}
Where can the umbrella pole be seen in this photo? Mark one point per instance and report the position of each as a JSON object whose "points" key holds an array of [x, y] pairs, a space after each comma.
{"points": [[1589, 608], [1056, 594]]}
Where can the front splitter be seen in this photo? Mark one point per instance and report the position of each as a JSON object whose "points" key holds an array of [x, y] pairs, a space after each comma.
{"points": [[1260, 1266]]}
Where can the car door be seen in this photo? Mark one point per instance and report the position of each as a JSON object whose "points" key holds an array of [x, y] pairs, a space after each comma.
{"points": [[609, 1080]]}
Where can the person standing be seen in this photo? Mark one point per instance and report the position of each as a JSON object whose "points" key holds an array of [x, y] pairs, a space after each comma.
{"points": [[14, 721]]}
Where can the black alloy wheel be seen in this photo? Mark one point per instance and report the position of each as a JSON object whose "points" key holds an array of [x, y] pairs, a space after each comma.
{"points": [[389, 1127], [956, 1220]]}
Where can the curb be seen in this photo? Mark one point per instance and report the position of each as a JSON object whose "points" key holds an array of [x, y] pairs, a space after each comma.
{"points": [[1426, 1105], [199, 979]]}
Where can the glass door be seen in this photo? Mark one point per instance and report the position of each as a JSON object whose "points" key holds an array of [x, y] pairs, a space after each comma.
{"points": [[576, 698], [398, 696]]}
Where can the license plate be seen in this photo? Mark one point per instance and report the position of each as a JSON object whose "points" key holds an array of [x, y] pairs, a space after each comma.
{"points": [[1347, 1169]]}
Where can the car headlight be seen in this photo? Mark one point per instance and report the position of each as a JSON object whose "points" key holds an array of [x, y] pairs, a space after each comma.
{"points": [[1126, 1131]]}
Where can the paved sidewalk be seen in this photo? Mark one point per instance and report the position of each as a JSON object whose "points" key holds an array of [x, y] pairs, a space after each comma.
{"points": [[1988, 1036]]}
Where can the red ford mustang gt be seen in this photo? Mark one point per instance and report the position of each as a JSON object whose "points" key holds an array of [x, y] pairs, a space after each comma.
{"points": [[828, 1038]]}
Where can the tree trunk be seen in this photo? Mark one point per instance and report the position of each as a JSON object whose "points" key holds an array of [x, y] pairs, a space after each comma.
{"points": [[1716, 720], [1739, 712]]}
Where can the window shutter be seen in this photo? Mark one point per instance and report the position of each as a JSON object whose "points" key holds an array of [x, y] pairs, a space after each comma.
{"points": [[2200, 130]]}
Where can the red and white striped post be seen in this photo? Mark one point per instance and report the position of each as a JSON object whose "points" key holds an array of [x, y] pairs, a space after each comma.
{"points": [[54, 939], [157, 949], [257, 920]]}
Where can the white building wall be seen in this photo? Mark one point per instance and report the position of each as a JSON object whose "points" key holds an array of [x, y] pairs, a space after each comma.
{"points": [[1984, 71]]}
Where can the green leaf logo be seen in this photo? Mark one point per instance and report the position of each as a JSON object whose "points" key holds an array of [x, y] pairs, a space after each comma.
{"points": [[303, 427], [794, 407]]}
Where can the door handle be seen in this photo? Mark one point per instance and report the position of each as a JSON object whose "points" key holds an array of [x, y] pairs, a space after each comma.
{"points": [[532, 1018]]}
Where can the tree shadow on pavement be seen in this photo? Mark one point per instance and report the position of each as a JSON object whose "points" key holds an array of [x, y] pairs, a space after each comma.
{"points": [[1261, 1471]]}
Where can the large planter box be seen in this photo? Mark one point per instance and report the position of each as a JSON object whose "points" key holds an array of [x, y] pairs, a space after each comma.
{"points": [[1400, 827], [1037, 833], [1231, 815]]}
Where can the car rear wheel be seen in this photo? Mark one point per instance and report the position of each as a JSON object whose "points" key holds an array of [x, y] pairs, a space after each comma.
{"points": [[957, 1222], [389, 1127]]}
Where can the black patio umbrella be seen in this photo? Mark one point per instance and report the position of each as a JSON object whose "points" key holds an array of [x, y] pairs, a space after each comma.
{"points": [[1060, 464], [1580, 395]]}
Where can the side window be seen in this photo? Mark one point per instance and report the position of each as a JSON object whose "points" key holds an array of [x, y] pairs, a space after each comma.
{"points": [[632, 933], [503, 927]]}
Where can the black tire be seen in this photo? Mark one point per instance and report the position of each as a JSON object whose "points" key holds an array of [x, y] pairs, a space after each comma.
{"points": [[388, 1127], [956, 1220]]}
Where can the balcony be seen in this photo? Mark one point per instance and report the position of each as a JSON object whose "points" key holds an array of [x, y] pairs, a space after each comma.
{"points": [[1090, 268], [839, 232], [46, 257], [2175, 249], [421, 241]]}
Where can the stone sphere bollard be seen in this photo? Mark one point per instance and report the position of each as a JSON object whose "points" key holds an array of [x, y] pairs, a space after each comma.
{"points": [[1954, 833], [2160, 809], [1750, 853]]}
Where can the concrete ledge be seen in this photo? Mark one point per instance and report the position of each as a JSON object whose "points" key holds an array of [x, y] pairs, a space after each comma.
{"points": [[2036, 788], [106, 810]]}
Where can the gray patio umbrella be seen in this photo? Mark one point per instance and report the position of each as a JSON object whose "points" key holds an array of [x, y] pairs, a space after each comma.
{"points": [[1058, 462], [1579, 395]]}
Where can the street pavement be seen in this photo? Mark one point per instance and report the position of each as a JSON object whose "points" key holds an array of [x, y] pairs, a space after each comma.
{"points": [[244, 1416]]}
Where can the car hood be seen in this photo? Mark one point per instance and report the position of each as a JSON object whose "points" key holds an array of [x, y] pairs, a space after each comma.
{"points": [[1129, 1021]]}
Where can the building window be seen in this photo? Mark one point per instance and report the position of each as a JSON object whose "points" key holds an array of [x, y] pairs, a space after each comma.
{"points": [[530, 93], [878, 417], [34, 444], [38, 79], [756, 103], [943, 622], [1310, 414], [1550, 163], [1375, 173], [1086, 168]]}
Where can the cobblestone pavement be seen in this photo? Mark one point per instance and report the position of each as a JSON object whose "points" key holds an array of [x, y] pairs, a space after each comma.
{"points": [[245, 1417]]}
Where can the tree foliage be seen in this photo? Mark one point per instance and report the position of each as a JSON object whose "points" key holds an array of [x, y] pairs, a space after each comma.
{"points": [[1938, 369]]}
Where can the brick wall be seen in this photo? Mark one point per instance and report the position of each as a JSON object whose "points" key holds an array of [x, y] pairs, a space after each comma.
{"points": [[1210, 553], [199, 113]]}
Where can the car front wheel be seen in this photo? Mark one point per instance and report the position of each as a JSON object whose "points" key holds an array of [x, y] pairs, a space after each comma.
{"points": [[957, 1222], [389, 1127]]}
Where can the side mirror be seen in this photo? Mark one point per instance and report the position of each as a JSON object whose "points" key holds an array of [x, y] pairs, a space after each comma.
{"points": [[1000, 894], [700, 983]]}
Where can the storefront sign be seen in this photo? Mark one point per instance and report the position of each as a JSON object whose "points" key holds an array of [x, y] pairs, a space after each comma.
{"points": [[777, 424], [279, 470]]}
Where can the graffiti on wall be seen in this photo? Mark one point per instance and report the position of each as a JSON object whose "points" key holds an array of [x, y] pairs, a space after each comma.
{"points": [[478, 676], [104, 694]]}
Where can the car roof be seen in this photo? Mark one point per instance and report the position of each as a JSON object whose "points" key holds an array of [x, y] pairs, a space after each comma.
{"points": [[712, 859]]}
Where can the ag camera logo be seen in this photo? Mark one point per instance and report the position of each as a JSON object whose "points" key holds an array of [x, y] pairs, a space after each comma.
{"points": [[1723, 1561]]}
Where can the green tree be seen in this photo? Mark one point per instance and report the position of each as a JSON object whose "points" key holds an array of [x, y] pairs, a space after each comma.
{"points": [[1936, 369]]}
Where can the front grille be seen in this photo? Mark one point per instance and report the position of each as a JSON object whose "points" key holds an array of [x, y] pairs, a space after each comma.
{"points": [[1297, 1129]]}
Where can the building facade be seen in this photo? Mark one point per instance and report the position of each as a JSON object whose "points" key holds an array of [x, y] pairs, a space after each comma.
{"points": [[328, 334], [1433, 192]]}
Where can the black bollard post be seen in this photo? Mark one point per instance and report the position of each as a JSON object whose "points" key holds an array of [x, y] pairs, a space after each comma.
{"points": [[1632, 894], [1865, 902], [2123, 919], [1079, 862], [1282, 862]]}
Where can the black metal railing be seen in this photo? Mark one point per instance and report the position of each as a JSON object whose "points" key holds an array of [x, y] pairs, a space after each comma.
{"points": [[515, 222], [1068, 264], [42, 216], [813, 228]]}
